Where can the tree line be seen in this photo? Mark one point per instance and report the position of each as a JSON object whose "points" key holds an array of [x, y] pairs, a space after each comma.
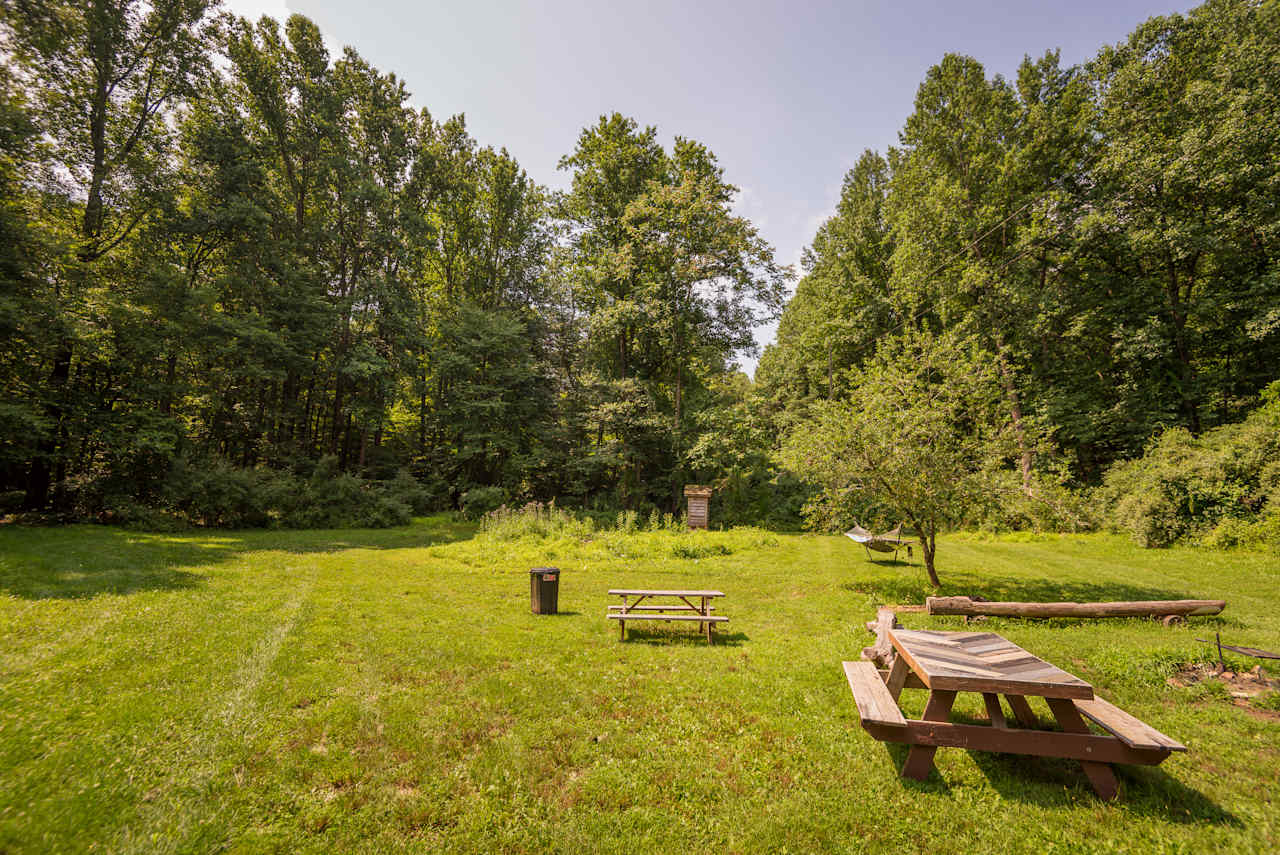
{"points": [[225, 250], [1044, 278], [238, 271], [1107, 233]]}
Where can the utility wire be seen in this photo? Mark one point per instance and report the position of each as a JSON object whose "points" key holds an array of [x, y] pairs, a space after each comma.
{"points": [[1053, 185], [919, 313]]}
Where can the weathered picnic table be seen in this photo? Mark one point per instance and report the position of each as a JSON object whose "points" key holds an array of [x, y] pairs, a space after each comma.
{"points": [[949, 662], [682, 610]]}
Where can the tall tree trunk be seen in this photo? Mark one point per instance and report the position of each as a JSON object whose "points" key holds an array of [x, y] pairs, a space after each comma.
{"points": [[928, 548], [1015, 413], [336, 425], [1189, 403], [100, 48], [170, 377], [422, 415], [345, 460], [679, 394], [41, 472], [831, 386]]}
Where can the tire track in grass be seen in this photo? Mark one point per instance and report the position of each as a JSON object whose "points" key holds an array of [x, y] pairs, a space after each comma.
{"points": [[185, 795]]}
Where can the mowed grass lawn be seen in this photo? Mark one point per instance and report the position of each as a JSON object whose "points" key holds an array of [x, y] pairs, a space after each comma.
{"points": [[389, 691]]}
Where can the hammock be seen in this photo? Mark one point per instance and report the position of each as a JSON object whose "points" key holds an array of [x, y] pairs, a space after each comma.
{"points": [[890, 541]]}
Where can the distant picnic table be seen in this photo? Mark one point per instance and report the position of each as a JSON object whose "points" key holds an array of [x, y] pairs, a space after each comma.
{"points": [[643, 607], [949, 662]]}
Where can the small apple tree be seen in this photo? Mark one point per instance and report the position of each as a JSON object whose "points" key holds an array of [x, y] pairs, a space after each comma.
{"points": [[911, 439]]}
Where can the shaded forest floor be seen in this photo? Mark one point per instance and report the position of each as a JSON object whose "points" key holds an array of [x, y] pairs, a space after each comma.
{"points": [[390, 691]]}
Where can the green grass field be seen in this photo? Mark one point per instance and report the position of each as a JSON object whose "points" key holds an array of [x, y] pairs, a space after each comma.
{"points": [[383, 691]]}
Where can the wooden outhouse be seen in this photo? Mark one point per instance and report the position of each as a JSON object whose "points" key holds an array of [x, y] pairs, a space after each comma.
{"points": [[698, 497]]}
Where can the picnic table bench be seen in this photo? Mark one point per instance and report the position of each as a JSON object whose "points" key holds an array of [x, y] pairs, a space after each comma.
{"points": [[949, 662], [684, 609]]}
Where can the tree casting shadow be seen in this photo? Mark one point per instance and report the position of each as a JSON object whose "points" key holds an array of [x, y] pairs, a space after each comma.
{"points": [[77, 562], [1053, 782], [907, 590]]}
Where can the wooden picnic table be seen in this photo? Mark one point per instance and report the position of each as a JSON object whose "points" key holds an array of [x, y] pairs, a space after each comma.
{"points": [[949, 662], [683, 610]]}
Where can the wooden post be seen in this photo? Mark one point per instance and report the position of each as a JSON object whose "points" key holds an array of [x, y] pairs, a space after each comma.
{"points": [[698, 497]]}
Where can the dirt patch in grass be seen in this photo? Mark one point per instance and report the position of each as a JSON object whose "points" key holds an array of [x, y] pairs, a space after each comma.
{"points": [[1250, 690]]}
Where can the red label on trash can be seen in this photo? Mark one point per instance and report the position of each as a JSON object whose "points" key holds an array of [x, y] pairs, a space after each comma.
{"points": [[550, 577]]}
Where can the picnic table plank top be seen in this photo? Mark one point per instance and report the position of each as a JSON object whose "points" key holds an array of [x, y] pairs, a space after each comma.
{"points": [[651, 593], [983, 662]]}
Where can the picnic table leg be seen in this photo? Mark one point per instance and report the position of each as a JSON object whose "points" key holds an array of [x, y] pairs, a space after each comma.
{"points": [[897, 677], [1022, 711], [994, 711], [920, 757], [622, 622], [1100, 775]]}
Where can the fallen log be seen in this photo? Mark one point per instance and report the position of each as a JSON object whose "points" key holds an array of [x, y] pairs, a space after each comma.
{"points": [[1138, 608], [882, 652]]}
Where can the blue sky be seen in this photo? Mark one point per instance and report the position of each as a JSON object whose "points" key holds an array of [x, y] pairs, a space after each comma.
{"points": [[786, 94]]}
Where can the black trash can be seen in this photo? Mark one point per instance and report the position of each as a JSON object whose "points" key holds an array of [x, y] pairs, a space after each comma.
{"points": [[544, 590]]}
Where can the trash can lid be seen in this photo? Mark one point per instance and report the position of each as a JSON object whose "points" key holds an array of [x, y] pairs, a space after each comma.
{"points": [[544, 570]]}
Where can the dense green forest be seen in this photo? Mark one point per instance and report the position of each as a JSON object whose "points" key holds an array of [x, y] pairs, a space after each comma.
{"points": [[245, 282]]}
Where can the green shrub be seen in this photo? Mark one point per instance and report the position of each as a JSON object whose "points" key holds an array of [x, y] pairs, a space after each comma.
{"points": [[1222, 487], [408, 491], [699, 550], [331, 498], [1260, 533], [216, 494], [132, 514], [11, 501], [213, 493], [479, 501], [534, 520], [1048, 505], [1172, 491]]}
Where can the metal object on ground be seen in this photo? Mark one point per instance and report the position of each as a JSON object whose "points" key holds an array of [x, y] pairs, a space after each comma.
{"points": [[1246, 651], [544, 590]]}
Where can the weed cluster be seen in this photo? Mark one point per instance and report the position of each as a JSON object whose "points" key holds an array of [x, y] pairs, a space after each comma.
{"points": [[535, 519]]}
